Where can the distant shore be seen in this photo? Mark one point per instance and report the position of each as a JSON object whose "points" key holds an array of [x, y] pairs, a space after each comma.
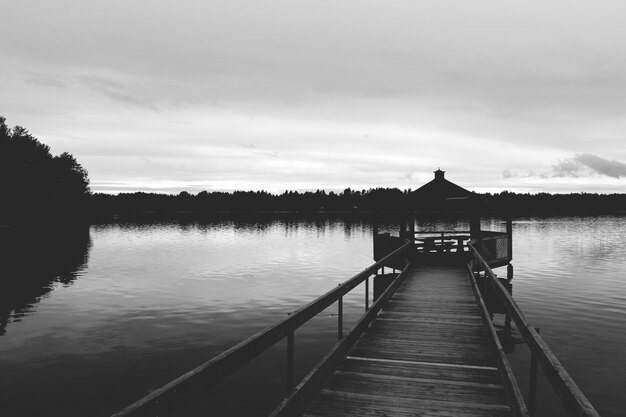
{"points": [[141, 216], [372, 202]]}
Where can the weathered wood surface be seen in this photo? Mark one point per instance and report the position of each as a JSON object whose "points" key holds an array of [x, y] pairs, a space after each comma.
{"points": [[427, 354]]}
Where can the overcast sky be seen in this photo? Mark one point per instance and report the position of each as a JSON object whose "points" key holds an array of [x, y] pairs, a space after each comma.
{"points": [[159, 95]]}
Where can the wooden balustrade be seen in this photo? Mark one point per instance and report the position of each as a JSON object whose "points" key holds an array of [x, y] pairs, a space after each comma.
{"points": [[441, 241], [295, 403], [571, 396]]}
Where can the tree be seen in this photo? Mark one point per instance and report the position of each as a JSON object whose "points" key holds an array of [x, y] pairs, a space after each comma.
{"points": [[37, 186]]}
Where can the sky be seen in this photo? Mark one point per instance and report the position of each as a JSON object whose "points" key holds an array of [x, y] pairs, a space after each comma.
{"points": [[165, 96]]}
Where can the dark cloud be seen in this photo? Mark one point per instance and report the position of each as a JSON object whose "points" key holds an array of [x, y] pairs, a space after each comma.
{"points": [[610, 168], [585, 164]]}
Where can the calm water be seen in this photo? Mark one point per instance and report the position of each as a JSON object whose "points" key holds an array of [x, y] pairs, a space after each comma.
{"points": [[109, 318]]}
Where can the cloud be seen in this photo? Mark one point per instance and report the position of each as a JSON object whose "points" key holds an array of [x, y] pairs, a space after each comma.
{"points": [[610, 168], [588, 164], [321, 82], [116, 91], [46, 80], [509, 174], [569, 167]]}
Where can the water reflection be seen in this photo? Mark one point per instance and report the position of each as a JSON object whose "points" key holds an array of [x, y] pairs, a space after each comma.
{"points": [[34, 263]]}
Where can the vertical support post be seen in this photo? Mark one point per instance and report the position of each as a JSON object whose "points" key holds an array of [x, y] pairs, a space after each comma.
{"points": [[290, 343], [475, 226], [532, 383], [509, 232], [402, 228], [340, 318], [411, 227], [374, 237], [509, 278], [367, 293]]}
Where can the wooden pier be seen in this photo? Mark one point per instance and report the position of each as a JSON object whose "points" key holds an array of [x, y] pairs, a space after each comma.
{"points": [[428, 351], [425, 347]]}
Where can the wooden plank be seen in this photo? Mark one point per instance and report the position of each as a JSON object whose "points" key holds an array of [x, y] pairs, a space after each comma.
{"points": [[484, 360], [423, 389], [443, 316], [428, 370], [429, 320], [333, 403], [372, 373], [427, 333]]}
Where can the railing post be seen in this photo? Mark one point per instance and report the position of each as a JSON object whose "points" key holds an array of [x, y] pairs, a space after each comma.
{"points": [[340, 318], [532, 383], [367, 293], [290, 343], [509, 232]]}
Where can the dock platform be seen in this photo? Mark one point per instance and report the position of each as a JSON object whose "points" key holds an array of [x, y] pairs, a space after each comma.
{"points": [[427, 350]]}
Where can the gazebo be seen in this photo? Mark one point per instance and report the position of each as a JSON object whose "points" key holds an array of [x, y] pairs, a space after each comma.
{"points": [[441, 196]]}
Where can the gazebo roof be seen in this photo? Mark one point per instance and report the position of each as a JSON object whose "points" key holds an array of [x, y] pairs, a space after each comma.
{"points": [[441, 189]]}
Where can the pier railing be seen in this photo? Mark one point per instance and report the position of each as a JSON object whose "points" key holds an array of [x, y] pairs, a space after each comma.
{"points": [[571, 396], [495, 248], [300, 398], [166, 398], [441, 241]]}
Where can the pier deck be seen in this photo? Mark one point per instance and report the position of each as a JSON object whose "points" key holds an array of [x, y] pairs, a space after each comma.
{"points": [[427, 353]]}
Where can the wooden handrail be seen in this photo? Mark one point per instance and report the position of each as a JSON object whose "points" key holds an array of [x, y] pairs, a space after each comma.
{"points": [[439, 232], [510, 383], [300, 398], [214, 370], [490, 234], [571, 396]]}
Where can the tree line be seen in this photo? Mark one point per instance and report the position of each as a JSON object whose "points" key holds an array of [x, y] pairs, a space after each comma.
{"points": [[38, 187], [352, 201]]}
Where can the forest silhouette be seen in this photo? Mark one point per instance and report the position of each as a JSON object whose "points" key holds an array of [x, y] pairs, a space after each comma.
{"points": [[37, 187], [40, 188], [349, 201]]}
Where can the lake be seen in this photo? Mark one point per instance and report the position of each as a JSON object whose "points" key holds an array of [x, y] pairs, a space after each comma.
{"points": [[90, 326]]}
